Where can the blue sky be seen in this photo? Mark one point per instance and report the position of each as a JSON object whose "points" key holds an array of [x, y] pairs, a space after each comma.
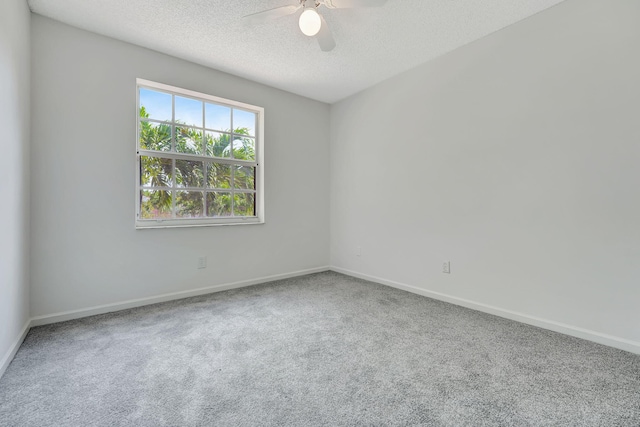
{"points": [[189, 111]]}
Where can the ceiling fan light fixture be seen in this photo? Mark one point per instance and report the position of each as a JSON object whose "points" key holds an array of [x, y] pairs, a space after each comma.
{"points": [[310, 22]]}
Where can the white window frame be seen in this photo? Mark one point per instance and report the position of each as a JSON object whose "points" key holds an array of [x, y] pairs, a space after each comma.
{"points": [[258, 163]]}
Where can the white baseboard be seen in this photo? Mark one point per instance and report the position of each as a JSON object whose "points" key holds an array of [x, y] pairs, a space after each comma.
{"points": [[8, 357], [108, 308], [574, 331]]}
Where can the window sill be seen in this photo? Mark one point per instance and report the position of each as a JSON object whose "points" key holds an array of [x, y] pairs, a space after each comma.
{"points": [[142, 225]]}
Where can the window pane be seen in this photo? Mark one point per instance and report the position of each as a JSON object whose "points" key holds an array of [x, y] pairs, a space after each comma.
{"points": [[244, 177], [217, 117], [189, 173], [218, 204], [244, 148], [244, 204], [218, 175], [155, 172], [155, 204], [188, 140], [154, 136], [188, 111], [218, 144], [155, 105], [189, 204], [244, 122]]}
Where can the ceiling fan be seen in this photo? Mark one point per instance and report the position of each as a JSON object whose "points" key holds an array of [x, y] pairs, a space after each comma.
{"points": [[310, 21]]}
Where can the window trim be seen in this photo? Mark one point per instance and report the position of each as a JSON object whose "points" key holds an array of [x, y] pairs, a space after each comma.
{"points": [[259, 218]]}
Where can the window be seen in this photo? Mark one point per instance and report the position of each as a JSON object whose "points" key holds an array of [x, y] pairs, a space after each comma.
{"points": [[199, 159]]}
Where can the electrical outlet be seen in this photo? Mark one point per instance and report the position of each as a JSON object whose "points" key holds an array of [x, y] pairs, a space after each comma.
{"points": [[446, 267], [202, 262]]}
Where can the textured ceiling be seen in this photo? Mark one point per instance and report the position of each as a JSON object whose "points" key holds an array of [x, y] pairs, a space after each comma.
{"points": [[373, 44]]}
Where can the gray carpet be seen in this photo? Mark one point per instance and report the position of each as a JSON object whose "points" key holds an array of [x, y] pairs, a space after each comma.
{"points": [[324, 349]]}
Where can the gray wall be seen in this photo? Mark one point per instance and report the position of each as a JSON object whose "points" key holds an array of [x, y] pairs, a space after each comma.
{"points": [[14, 173], [514, 157], [85, 250]]}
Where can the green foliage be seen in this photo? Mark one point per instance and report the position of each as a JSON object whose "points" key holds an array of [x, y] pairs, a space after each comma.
{"points": [[159, 172], [154, 136]]}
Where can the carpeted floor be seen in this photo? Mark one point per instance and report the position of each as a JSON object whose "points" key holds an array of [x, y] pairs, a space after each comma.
{"points": [[324, 349]]}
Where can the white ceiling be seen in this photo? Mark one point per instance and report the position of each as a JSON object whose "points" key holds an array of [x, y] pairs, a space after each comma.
{"points": [[373, 44]]}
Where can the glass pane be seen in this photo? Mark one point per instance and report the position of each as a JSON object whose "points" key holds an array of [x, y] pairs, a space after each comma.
{"points": [[217, 117], [155, 204], [188, 111], [244, 148], [189, 204], [244, 204], [218, 175], [218, 144], [244, 177], [154, 136], [155, 172], [244, 122], [189, 173], [155, 105], [188, 140], [218, 204]]}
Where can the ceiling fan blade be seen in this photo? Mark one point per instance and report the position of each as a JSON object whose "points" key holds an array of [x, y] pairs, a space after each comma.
{"points": [[269, 14], [346, 4], [325, 38]]}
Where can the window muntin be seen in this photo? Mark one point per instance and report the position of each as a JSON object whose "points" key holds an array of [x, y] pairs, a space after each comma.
{"points": [[198, 159]]}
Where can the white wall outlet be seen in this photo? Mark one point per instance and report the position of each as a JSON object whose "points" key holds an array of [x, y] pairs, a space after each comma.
{"points": [[358, 251], [202, 262], [446, 267]]}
